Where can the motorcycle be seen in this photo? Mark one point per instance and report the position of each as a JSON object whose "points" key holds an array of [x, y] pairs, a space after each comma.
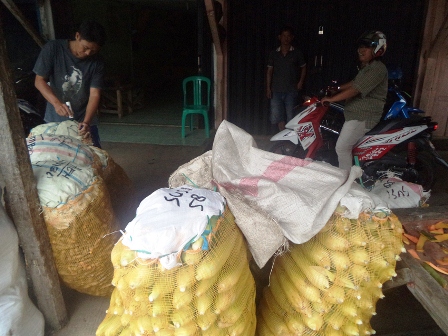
{"points": [[27, 99], [400, 145]]}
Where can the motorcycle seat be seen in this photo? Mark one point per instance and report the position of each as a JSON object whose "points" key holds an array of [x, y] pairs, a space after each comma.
{"points": [[387, 125]]}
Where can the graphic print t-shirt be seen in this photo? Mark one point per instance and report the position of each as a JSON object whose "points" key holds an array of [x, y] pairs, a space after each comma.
{"points": [[70, 78]]}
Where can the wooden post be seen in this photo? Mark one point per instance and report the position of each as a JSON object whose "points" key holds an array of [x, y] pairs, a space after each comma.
{"points": [[24, 22], [23, 202]]}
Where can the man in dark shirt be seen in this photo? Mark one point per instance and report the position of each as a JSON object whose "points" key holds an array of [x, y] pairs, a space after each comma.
{"points": [[72, 72], [285, 76]]}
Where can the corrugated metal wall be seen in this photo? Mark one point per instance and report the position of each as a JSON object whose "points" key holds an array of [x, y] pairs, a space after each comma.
{"points": [[253, 29]]}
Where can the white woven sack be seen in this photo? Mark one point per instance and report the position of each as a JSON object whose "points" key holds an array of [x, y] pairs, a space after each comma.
{"points": [[61, 181], [272, 196], [397, 193], [18, 315], [9, 251], [59, 147]]}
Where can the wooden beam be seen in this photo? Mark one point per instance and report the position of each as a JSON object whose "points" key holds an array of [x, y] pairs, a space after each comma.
{"points": [[46, 19], [221, 61], [440, 40], [24, 22], [23, 203]]}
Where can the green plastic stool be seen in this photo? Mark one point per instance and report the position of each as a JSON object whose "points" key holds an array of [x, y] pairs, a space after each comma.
{"points": [[196, 101]]}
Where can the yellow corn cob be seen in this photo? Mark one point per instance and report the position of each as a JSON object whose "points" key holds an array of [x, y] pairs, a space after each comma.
{"points": [[205, 320], [229, 316], [275, 324], [228, 280], [357, 237], [181, 317], [209, 267], [204, 302], [185, 277], [348, 308], [141, 294], [359, 255], [321, 307], [295, 324], [204, 285], [125, 319], [314, 322], [341, 225], [181, 299], [360, 273], [139, 276], [350, 329], [110, 326], [317, 253], [238, 329], [158, 308], [187, 330], [333, 241], [115, 255], [191, 257], [262, 327], [122, 284], [364, 302], [340, 260], [366, 329], [165, 332], [144, 324], [335, 319], [286, 267], [160, 288], [272, 302], [225, 299], [329, 331], [118, 274], [160, 322], [127, 257], [310, 271], [133, 325], [197, 244], [290, 292], [115, 310], [335, 294], [386, 274], [115, 299]]}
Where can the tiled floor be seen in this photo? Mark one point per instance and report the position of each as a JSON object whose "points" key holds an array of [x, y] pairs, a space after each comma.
{"points": [[157, 123]]}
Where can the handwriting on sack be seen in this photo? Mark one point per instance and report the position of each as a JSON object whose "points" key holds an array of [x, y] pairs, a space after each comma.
{"points": [[195, 199], [395, 192], [61, 168]]}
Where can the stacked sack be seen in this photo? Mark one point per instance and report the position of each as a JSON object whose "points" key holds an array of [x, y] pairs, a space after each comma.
{"points": [[210, 291], [77, 211], [330, 284], [18, 315], [118, 183]]}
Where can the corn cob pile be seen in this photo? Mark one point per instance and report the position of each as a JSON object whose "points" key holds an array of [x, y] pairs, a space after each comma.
{"points": [[211, 293], [330, 284]]}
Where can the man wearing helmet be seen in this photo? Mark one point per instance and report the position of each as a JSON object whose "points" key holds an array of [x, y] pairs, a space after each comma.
{"points": [[364, 96]]}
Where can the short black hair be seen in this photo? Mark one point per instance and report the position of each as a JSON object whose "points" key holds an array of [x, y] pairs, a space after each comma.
{"points": [[92, 31], [288, 29]]}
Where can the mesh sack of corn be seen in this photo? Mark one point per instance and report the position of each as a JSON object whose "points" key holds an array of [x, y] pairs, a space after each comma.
{"points": [[330, 284], [79, 218], [119, 185], [211, 292]]}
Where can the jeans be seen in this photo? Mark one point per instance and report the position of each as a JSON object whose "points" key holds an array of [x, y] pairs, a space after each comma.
{"points": [[95, 136], [351, 132], [282, 104]]}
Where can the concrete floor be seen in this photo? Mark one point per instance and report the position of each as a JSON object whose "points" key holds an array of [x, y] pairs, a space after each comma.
{"points": [[149, 167]]}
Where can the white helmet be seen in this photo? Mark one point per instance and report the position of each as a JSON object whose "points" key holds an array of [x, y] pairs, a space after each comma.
{"points": [[376, 39]]}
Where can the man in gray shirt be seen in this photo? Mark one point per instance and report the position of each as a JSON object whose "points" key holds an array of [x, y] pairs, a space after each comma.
{"points": [[72, 72], [285, 75]]}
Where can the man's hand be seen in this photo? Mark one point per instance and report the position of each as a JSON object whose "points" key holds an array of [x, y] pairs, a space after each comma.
{"points": [[84, 130], [63, 110]]}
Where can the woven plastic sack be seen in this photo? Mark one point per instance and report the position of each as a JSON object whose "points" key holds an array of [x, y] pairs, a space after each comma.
{"points": [[81, 238], [61, 147], [18, 315], [268, 193], [67, 128], [330, 284], [212, 293]]}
